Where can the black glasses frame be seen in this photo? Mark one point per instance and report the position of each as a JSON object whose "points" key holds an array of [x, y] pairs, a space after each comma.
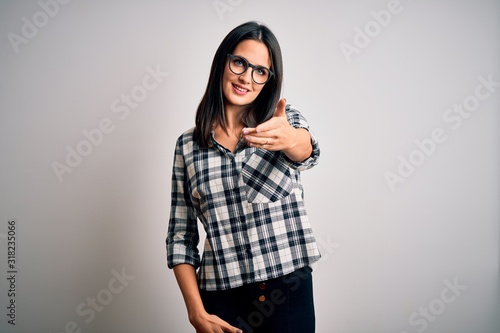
{"points": [[247, 64]]}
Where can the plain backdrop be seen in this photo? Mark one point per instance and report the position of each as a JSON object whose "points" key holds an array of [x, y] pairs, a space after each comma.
{"points": [[404, 202]]}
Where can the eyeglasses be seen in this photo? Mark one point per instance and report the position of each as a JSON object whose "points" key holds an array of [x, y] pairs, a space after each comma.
{"points": [[239, 65]]}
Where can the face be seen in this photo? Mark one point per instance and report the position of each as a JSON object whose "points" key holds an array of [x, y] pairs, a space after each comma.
{"points": [[240, 89]]}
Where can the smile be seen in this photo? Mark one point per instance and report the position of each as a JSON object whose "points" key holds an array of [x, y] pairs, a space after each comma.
{"points": [[240, 90]]}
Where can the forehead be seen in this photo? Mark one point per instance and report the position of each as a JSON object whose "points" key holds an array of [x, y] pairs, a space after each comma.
{"points": [[254, 51]]}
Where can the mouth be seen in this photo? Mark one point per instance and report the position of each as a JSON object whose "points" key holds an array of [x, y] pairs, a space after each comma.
{"points": [[239, 89]]}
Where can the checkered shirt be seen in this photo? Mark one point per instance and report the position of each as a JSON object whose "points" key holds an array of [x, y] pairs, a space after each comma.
{"points": [[251, 206]]}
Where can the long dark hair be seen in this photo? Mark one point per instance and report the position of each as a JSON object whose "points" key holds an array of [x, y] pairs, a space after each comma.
{"points": [[211, 108]]}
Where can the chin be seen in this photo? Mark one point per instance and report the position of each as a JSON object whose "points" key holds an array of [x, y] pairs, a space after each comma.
{"points": [[240, 101]]}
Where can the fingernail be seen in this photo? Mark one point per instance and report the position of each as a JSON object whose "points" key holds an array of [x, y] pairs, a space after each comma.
{"points": [[239, 331]]}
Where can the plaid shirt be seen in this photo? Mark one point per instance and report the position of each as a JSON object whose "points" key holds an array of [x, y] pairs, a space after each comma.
{"points": [[251, 206]]}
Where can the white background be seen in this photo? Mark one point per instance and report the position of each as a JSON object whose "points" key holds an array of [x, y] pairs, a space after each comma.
{"points": [[387, 252]]}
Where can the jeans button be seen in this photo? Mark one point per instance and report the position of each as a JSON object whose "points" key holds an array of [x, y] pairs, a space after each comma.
{"points": [[262, 286]]}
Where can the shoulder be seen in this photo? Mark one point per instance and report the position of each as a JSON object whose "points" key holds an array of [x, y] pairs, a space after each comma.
{"points": [[186, 137], [185, 140]]}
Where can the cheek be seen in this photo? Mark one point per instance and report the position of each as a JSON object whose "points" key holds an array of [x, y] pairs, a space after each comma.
{"points": [[257, 88], [228, 75], [225, 78], [226, 83]]}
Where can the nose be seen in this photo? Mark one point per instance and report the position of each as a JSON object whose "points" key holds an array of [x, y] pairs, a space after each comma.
{"points": [[246, 77]]}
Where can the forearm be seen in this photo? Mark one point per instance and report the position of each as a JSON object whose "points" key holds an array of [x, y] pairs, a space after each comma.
{"points": [[301, 147], [188, 284]]}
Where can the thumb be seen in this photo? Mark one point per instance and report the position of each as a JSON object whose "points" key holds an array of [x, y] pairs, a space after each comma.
{"points": [[280, 108]]}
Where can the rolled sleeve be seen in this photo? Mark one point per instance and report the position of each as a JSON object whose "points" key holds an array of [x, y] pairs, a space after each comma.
{"points": [[182, 237], [297, 120]]}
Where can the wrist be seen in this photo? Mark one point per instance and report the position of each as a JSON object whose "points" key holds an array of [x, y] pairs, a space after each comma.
{"points": [[294, 132], [300, 147], [195, 313]]}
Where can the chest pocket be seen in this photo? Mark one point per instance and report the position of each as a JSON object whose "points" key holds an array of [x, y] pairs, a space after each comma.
{"points": [[266, 177]]}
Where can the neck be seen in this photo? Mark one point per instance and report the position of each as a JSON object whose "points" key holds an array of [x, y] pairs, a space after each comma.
{"points": [[233, 122]]}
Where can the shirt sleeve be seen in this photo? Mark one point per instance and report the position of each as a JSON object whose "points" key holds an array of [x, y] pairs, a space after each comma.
{"points": [[182, 236], [297, 120]]}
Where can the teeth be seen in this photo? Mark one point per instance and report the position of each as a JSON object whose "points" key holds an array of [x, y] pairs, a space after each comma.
{"points": [[240, 89]]}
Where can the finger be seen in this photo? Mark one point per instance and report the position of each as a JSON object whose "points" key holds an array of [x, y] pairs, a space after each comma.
{"points": [[257, 141], [280, 108], [258, 137], [279, 113], [249, 130], [231, 329], [267, 126], [228, 328]]}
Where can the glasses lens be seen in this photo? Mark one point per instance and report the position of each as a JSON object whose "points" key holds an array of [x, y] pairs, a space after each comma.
{"points": [[237, 65], [260, 75]]}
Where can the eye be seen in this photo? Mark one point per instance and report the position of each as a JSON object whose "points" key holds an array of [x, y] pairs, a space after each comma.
{"points": [[238, 62], [261, 71]]}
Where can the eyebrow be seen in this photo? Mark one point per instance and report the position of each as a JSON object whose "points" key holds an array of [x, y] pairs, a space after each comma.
{"points": [[252, 63]]}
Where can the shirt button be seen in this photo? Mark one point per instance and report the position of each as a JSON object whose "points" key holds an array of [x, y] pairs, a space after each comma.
{"points": [[262, 286], [262, 298]]}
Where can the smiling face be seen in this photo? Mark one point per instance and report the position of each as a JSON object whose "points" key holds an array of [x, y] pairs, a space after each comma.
{"points": [[240, 90]]}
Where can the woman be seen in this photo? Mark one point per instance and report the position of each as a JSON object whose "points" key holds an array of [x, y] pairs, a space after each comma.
{"points": [[238, 172]]}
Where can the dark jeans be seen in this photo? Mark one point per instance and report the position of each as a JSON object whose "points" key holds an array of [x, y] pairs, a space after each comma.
{"points": [[281, 305]]}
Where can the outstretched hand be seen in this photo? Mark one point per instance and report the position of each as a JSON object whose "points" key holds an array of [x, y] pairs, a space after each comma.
{"points": [[274, 134]]}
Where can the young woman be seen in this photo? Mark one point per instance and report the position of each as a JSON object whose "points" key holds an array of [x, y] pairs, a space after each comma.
{"points": [[238, 172]]}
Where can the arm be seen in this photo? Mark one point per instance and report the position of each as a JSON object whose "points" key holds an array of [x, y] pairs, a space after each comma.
{"points": [[278, 134], [299, 146], [182, 251], [198, 317]]}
